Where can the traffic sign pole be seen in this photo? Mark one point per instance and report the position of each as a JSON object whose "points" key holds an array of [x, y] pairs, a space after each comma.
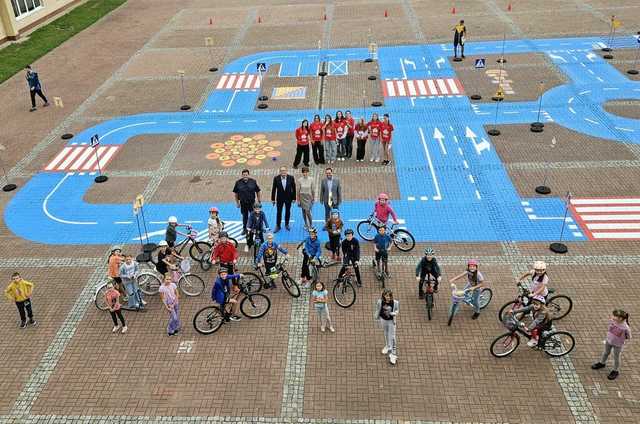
{"points": [[559, 247], [95, 142]]}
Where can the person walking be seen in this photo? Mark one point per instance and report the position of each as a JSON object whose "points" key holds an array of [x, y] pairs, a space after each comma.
{"points": [[35, 87], [330, 149], [351, 125], [617, 335], [171, 300], [385, 313], [330, 193], [128, 272], [306, 196], [19, 291], [459, 35], [319, 298], [302, 144], [361, 134], [317, 133], [112, 300], [283, 193], [374, 126], [246, 191]]}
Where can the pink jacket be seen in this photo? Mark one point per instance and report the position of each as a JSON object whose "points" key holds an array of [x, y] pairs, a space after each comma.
{"points": [[382, 212]]}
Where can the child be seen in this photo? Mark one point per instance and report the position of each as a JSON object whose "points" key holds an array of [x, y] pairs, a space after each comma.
{"points": [[386, 129], [374, 127], [269, 253], [334, 228], [428, 269], [541, 318], [319, 298], [233, 304], [618, 333], [171, 233], [257, 225], [475, 284], [128, 272], [311, 251], [385, 313], [539, 279], [112, 298], [19, 291], [113, 267], [382, 209], [382, 243], [351, 254], [170, 298], [361, 133], [214, 225], [220, 292]]}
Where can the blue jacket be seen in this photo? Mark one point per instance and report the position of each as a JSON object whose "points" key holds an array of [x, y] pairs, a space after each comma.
{"points": [[382, 242], [253, 223], [221, 288], [33, 80], [265, 246], [312, 247]]}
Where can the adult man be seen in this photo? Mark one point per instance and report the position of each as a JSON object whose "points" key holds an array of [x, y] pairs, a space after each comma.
{"points": [[330, 193], [246, 191], [283, 193], [459, 35], [34, 88]]}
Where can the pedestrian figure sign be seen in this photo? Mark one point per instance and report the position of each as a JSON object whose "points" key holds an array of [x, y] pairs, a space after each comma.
{"points": [[95, 140], [261, 67], [480, 63]]}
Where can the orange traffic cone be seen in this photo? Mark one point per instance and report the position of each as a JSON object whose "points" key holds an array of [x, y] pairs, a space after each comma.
{"points": [[324, 18], [386, 13], [509, 7], [453, 10], [259, 20], [210, 21]]}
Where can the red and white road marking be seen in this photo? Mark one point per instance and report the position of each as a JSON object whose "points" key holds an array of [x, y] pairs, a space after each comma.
{"points": [[426, 87], [238, 82], [608, 218], [82, 158]]}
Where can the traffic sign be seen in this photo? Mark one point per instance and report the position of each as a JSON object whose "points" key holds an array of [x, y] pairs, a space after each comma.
{"points": [[261, 67], [95, 140], [480, 63]]}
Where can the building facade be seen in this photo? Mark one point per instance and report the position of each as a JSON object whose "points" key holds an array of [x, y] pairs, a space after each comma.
{"points": [[19, 16]]}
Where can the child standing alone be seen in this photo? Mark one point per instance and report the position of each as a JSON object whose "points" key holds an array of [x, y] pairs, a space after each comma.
{"points": [[617, 334], [319, 298]]}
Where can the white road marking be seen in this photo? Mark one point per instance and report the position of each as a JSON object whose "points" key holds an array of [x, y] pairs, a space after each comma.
{"points": [[626, 201], [592, 121], [471, 179], [233, 96], [438, 195], [123, 222], [583, 209], [122, 128], [571, 110], [478, 195], [465, 164], [624, 129], [571, 100], [45, 209]]}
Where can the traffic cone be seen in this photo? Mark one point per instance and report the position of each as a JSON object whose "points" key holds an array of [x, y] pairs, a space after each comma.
{"points": [[259, 20], [324, 17], [210, 21], [509, 7], [453, 10], [386, 13]]}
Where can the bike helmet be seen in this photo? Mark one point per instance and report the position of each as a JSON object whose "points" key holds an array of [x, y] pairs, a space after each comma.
{"points": [[223, 234], [382, 196], [540, 265], [270, 236], [213, 209], [472, 262], [539, 298], [335, 212], [348, 231], [428, 251], [116, 247], [163, 243], [222, 269], [257, 205], [312, 230], [172, 220]]}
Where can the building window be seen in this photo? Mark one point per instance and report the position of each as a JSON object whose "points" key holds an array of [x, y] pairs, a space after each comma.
{"points": [[22, 8]]}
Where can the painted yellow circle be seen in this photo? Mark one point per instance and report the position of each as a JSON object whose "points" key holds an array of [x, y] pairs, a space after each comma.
{"points": [[217, 145], [213, 156], [275, 153], [275, 143], [259, 136], [236, 137], [242, 160], [229, 142], [224, 158], [253, 162], [263, 141], [219, 150], [247, 139], [260, 157], [228, 163], [267, 148]]}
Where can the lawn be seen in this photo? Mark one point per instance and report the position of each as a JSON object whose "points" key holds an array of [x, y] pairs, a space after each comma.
{"points": [[15, 57]]}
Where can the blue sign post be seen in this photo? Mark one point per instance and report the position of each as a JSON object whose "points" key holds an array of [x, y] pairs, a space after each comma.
{"points": [[94, 143]]}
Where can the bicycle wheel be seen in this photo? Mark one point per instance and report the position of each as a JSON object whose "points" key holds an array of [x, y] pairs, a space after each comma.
{"points": [[205, 260], [485, 298], [429, 304], [403, 240], [208, 320], [290, 285], [452, 312], [313, 271], [100, 301], [366, 230], [197, 248], [559, 306], [507, 306], [149, 283], [154, 255], [255, 305], [505, 344], [558, 343], [252, 282], [343, 293], [191, 284]]}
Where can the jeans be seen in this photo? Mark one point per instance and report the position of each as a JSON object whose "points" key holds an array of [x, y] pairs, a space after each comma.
{"points": [[327, 211], [389, 328], [318, 152], [304, 273], [133, 292], [330, 151], [616, 355], [323, 316], [375, 150], [475, 300], [342, 147], [25, 306], [174, 320], [334, 244]]}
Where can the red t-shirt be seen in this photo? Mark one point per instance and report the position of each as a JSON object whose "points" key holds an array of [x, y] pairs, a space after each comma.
{"points": [[225, 253], [316, 131], [374, 129], [340, 128], [329, 133], [386, 130], [351, 124], [302, 136], [112, 297]]}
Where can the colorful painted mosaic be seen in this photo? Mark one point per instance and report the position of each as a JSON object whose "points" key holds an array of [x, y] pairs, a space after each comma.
{"points": [[243, 150]]}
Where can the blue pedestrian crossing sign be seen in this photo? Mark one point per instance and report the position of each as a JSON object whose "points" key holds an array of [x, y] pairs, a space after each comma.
{"points": [[480, 63], [95, 140], [261, 67]]}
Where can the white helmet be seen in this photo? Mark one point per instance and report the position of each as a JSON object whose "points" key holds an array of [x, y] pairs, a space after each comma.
{"points": [[540, 265], [172, 220], [163, 243]]}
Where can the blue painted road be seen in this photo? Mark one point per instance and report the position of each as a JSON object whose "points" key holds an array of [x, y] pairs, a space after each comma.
{"points": [[453, 186]]}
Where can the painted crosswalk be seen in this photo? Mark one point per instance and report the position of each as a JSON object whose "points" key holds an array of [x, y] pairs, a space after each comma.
{"points": [[608, 218], [422, 87], [82, 158], [238, 82]]}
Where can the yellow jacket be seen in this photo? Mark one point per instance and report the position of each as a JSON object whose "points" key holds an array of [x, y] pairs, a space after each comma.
{"points": [[19, 291]]}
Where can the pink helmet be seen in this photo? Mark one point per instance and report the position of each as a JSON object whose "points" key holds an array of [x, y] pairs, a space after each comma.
{"points": [[213, 209], [472, 262], [384, 196]]}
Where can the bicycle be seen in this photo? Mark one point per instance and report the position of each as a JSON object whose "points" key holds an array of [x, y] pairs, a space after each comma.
{"points": [[315, 266], [381, 274], [195, 250], [553, 343], [209, 319], [428, 295], [464, 296], [256, 282], [401, 238], [343, 291], [190, 284], [559, 306]]}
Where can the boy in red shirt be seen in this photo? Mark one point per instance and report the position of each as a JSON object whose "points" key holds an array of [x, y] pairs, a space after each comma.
{"points": [[385, 133], [302, 144], [374, 126], [225, 252], [317, 132]]}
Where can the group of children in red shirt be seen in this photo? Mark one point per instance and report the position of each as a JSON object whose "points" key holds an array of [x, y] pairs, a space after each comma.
{"points": [[332, 140]]}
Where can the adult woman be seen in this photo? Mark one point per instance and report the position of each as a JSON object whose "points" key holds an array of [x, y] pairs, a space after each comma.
{"points": [[329, 140], [317, 131], [302, 144], [361, 134], [340, 127], [306, 196]]}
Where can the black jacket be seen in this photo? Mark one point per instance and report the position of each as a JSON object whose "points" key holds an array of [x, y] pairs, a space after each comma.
{"points": [[351, 249], [280, 194], [427, 267]]}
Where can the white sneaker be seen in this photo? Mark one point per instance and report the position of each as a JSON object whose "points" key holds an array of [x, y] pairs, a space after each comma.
{"points": [[378, 160], [116, 328], [124, 329], [333, 330], [144, 302], [322, 329], [246, 248], [385, 350], [532, 343], [393, 359], [371, 160]]}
